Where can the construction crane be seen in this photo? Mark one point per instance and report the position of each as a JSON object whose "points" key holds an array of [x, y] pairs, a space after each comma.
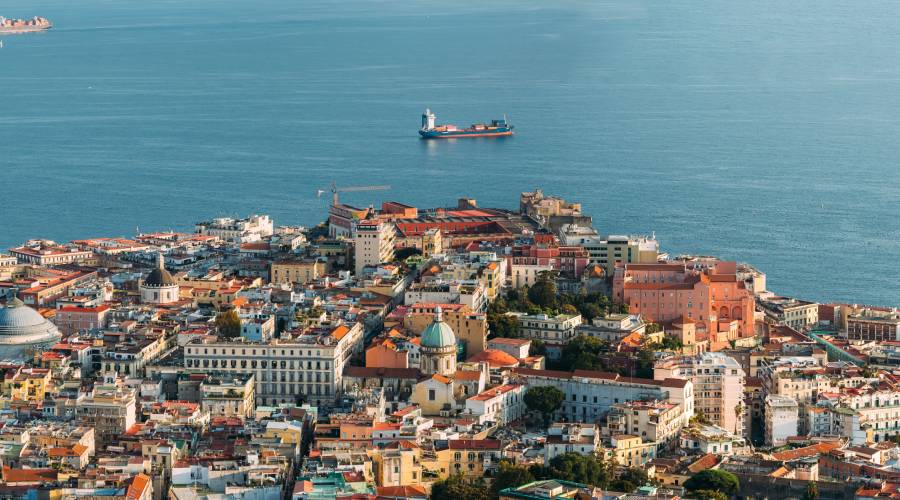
{"points": [[353, 189]]}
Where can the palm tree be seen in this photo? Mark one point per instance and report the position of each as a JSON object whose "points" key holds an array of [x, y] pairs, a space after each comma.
{"points": [[738, 411]]}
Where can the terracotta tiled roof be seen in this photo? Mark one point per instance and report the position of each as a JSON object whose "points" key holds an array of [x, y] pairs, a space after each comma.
{"points": [[807, 451], [402, 491], [707, 461], [495, 358]]}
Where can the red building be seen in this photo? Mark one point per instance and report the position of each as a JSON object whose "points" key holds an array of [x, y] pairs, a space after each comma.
{"points": [[72, 319], [712, 296]]}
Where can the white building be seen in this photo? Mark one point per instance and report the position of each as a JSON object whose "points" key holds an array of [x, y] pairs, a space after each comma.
{"points": [[718, 386], [373, 244], [710, 439], [501, 405], [554, 331], [562, 438], [259, 328], [523, 275], [250, 229], [308, 368], [781, 419], [590, 394], [657, 421]]}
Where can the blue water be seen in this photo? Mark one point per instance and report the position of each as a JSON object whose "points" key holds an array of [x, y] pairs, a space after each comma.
{"points": [[762, 131]]}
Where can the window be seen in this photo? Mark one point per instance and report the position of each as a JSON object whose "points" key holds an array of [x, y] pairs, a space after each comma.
{"points": [[431, 397]]}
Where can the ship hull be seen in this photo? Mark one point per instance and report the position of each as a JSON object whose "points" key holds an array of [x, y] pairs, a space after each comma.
{"points": [[456, 134], [23, 29]]}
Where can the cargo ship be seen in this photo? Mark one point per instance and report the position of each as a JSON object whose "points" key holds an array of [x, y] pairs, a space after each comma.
{"points": [[24, 25], [497, 128]]}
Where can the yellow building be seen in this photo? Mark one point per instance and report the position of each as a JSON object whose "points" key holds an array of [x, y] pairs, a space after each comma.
{"points": [[630, 451], [469, 327], [285, 432], [398, 464], [229, 395], [471, 457], [434, 394], [27, 384], [300, 271]]}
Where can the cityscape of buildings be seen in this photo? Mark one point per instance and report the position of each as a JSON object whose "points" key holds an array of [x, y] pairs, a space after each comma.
{"points": [[388, 352]]}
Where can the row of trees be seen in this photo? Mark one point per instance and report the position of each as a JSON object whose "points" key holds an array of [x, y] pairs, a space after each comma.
{"points": [[585, 469], [543, 297], [593, 470]]}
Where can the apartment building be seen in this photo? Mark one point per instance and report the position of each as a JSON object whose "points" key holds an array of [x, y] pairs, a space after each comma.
{"points": [[228, 395], [718, 382], [563, 438], [554, 331], [782, 418], [306, 368], [657, 421], [785, 311], [250, 229], [373, 244], [299, 271], [872, 324], [49, 253], [110, 409]]}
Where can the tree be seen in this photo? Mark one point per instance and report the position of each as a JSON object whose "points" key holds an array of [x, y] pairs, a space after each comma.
{"points": [[583, 353], [709, 495], [545, 399], [503, 325], [738, 411], [406, 252], [318, 232], [714, 479], [629, 480], [543, 292], [812, 491], [538, 348], [670, 343], [700, 417], [509, 475], [652, 328], [646, 358], [457, 487], [569, 309], [585, 469], [228, 324], [591, 311]]}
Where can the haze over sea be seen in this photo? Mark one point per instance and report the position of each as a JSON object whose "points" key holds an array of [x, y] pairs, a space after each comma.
{"points": [[765, 131]]}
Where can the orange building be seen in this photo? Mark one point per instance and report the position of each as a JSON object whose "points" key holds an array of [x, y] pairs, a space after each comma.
{"points": [[713, 297], [386, 354]]}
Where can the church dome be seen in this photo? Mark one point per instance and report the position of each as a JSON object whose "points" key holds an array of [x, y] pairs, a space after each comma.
{"points": [[438, 334], [159, 276], [22, 328]]}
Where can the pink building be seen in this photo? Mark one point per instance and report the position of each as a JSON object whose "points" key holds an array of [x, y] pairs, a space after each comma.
{"points": [[714, 298], [568, 260], [72, 319]]}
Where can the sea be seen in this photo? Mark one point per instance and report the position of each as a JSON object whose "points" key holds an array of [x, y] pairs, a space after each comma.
{"points": [[765, 132]]}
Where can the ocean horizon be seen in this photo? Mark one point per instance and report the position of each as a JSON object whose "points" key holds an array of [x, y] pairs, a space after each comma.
{"points": [[764, 132]]}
